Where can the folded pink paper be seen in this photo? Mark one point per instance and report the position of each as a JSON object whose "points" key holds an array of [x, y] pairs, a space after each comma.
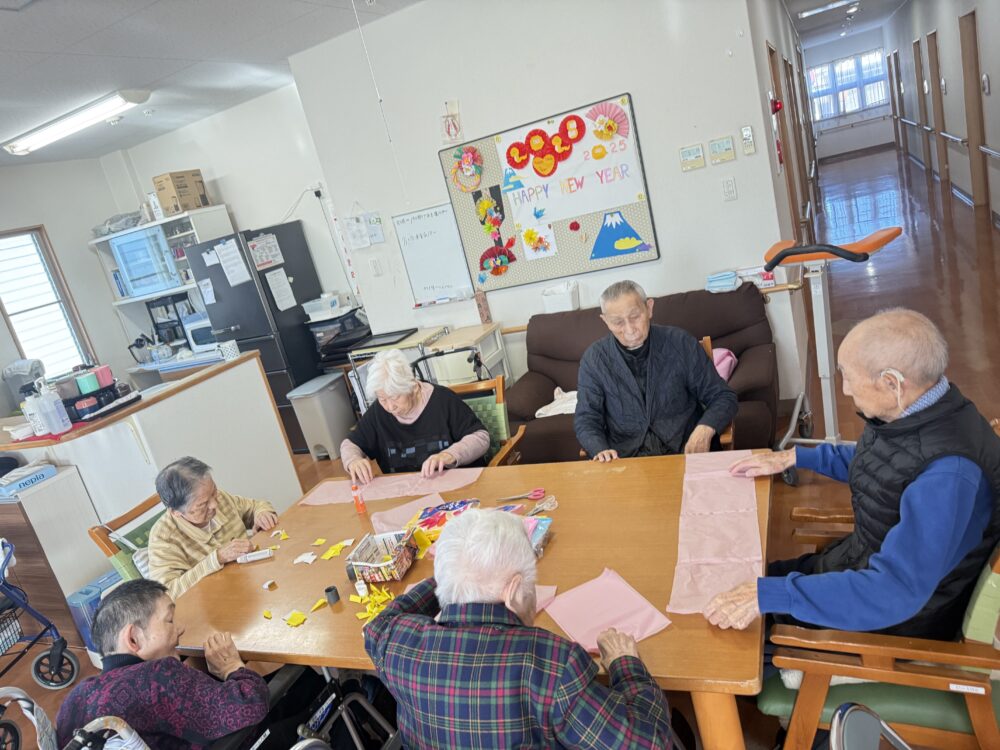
{"points": [[718, 534], [390, 486], [607, 601], [396, 518]]}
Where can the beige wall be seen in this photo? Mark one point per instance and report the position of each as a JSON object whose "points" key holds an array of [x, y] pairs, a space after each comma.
{"points": [[67, 198], [914, 20], [689, 66]]}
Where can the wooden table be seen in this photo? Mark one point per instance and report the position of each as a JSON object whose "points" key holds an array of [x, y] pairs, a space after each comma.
{"points": [[622, 515]]}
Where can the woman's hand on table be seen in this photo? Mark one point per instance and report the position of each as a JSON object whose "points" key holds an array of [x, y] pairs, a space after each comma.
{"points": [[437, 464], [763, 464], [609, 455], [734, 609], [229, 552], [360, 471], [614, 645], [222, 656], [700, 440], [265, 520]]}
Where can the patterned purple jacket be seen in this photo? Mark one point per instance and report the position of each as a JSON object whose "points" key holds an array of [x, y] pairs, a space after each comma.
{"points": [[170, 705]]}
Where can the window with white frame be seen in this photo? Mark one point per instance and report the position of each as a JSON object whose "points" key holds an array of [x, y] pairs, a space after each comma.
{"points": [[849, 85], [36, 305]]}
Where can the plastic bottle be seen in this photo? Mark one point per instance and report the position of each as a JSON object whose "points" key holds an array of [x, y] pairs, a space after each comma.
{"points": [[53, 412], [359, 502], [32, 410]]}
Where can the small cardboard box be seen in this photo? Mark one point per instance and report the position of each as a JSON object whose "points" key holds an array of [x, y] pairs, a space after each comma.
{"points": [[180, 191]]}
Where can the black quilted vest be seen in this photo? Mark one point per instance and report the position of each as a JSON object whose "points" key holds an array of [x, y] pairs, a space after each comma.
{"points": [[889, 456]]}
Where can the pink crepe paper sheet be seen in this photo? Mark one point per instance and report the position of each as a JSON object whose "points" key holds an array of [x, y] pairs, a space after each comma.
{"points": [[718, 535], [391, 486], [544, 595], [607, 601], [396, 518]]}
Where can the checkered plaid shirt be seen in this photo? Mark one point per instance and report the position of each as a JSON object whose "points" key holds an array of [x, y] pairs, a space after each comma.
{"points": [[478, 678]]}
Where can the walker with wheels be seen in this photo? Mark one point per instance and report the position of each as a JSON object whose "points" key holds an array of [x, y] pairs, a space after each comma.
{"points": [[54, 668], [816, 259]]}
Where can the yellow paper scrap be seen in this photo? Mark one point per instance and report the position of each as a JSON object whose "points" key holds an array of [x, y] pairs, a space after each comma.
{"points": [[423, 542], [275, 546], [362, 615], [267, 614], [320, 603], [295, 618], [320, 541], [355, 598], [283, 536], [386, 558], [333, 551]]}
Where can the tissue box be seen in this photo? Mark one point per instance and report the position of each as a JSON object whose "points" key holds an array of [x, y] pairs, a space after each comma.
{"points": [[24, 477]]}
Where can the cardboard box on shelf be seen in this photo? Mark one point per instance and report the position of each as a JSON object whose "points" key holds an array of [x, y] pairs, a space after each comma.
{"points": [[180, 191]]}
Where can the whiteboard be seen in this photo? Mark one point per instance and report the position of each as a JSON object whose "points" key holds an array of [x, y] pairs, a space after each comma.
{"points": [[433, 255]]}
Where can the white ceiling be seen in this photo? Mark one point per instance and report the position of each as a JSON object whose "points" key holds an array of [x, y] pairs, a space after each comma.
{"points": [[827, 26], [197, 57]]}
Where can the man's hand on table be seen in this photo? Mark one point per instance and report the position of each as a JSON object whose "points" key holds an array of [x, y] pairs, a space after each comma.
{"points": [[700, 440], [614, 644], [222, 656], [609, 455], [229, 552], [436, 464], [265, 520], [734, 609], [360, 471], [763, 464]]}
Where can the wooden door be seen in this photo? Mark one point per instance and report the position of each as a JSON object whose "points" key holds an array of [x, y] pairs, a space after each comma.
{"points": [[921, 82], [810, 135], [904, 134], [774, 63], [893, 95], [974, 108], [802, 181], [937, 104]]}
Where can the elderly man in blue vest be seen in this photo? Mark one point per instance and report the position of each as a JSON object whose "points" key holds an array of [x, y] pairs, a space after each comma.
{"points": [[924, 481], [647, 390]]}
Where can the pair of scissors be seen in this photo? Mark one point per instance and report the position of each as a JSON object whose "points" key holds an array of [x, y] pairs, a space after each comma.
{"points": [[536, 494], [549, 503]]}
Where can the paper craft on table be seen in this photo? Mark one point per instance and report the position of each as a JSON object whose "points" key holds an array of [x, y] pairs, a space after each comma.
{"points": [[391, 486], [335, 549], [306, 557], [396, 518], [718, 534], [607, 601], [294, 618], [319, 542], [320, 603]]}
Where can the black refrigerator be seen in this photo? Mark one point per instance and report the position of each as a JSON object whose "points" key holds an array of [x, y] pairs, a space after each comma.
{"points": [[253, 284]]}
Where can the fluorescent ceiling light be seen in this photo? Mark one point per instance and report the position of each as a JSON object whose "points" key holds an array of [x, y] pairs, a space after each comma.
{"points": [[825, 8], [75, 121], [853, 9]]}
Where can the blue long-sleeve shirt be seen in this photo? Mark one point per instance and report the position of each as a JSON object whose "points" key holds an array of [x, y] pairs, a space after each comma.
{"points": [[943, 514]]}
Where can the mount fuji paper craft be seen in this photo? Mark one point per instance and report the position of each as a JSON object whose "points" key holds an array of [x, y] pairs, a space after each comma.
{"points": [[616, 238]]}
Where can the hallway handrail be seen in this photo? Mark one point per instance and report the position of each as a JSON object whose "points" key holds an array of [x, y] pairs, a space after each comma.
{"points": [[909, 122], [929, 129], [955, 138], [812, 170], [849, 125], [990, 152]]}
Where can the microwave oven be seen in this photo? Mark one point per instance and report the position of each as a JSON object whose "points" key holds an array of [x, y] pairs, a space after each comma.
{"points": [[198, 330]]}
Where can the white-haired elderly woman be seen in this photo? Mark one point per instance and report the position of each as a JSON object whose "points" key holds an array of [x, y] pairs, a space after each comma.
{"points": [[479, 675], [413, 426]]}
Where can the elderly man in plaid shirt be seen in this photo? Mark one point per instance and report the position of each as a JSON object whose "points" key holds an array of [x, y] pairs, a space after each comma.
{"points": [[480, 676]]}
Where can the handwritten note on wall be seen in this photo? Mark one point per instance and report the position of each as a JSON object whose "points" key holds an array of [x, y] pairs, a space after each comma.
{"points": [[433, 255]]}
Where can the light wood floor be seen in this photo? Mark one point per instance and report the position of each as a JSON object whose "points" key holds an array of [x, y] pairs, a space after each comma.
{"points": [[945, 265]]}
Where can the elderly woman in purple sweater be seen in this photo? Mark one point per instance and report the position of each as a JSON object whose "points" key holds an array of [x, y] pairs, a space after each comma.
{"points": [[413, 426]]}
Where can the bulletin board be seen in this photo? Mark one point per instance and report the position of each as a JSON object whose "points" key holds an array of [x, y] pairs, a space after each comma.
{"points": [[433, 255], [558, 197]]}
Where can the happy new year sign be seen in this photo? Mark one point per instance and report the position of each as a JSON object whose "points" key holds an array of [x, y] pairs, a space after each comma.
{"points": [[553, 198]]}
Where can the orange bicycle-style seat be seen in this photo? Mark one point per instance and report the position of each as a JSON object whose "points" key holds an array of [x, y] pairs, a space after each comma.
{"points": [[787, 253]]}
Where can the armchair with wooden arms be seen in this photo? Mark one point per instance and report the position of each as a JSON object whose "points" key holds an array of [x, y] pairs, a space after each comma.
{"points": [[123, 549], [486, 399], [920, 687]]}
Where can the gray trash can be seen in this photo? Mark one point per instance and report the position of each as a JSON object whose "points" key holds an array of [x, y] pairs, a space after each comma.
{"points": [[324, 411]]}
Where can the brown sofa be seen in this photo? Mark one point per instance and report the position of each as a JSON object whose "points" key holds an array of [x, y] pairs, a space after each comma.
{"points": [[735, 320]]}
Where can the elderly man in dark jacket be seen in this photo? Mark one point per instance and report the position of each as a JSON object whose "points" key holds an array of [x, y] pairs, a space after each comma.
{"points": [[647, 390]]}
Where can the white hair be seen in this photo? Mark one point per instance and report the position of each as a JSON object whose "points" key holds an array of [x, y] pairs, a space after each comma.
{"points": [[390, 373], [477, 555], [620, 289], [903, 340]]}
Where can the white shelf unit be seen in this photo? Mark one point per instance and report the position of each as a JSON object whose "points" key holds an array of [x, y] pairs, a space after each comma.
{"points": [[180, 230]]}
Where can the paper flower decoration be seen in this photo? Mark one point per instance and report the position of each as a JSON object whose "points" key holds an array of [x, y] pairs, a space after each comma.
{"points": [[496, 261], [518, 155], [572, 128], [490, 216], [537, 141], [535, 241], [609, 120], [467, 171]]}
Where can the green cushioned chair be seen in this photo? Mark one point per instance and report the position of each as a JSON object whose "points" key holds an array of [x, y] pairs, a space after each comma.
{"points": [[933, 693], [486, 399], [125, 549]]}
